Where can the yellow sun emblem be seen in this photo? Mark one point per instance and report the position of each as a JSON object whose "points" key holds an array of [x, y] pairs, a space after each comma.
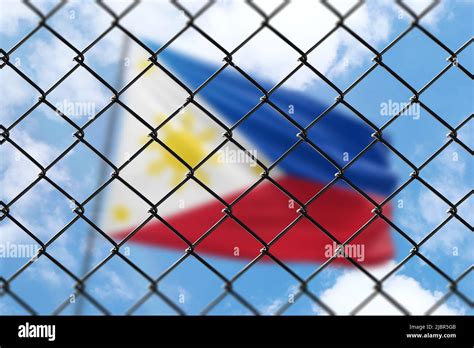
{"points": [[187, 143]]}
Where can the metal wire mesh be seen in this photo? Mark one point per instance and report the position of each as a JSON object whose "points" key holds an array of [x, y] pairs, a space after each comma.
{"points": [[81, 290]]}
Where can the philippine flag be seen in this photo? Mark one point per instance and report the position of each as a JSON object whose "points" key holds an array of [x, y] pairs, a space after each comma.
{"points": [[201, 171]]}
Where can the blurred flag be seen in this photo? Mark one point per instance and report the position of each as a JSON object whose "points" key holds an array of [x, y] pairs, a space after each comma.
{"points": [[266, 209]]}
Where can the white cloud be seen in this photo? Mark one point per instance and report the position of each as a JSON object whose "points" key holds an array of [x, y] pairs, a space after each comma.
{"points": [[266, 55], [112, 286], [15, 93], [47, 59], [373, 21], [14, 15], [432, 18], [16, 171], [41, 215], [452, 179], [271, 308], [275, 304], [353, 287], [263, 54], [49, 272]]}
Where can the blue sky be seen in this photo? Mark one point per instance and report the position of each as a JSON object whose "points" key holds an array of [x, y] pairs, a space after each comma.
{"points": [[45, 211]]}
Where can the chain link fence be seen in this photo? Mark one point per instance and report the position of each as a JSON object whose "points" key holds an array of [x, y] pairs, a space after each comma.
{"points": [[81, 290]]}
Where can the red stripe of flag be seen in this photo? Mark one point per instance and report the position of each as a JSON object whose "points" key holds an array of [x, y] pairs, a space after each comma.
{"points": [[267, 211]]}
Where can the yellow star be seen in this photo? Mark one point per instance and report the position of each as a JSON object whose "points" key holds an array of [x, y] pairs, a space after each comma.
{"points": [[120, 213], [186, 142]]}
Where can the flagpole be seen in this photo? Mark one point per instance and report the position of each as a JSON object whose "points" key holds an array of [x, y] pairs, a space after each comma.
{"points": [[111, 128]]}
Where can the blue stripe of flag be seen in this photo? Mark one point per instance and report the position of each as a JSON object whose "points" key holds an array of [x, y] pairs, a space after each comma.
{"points": [[337, 133]]}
